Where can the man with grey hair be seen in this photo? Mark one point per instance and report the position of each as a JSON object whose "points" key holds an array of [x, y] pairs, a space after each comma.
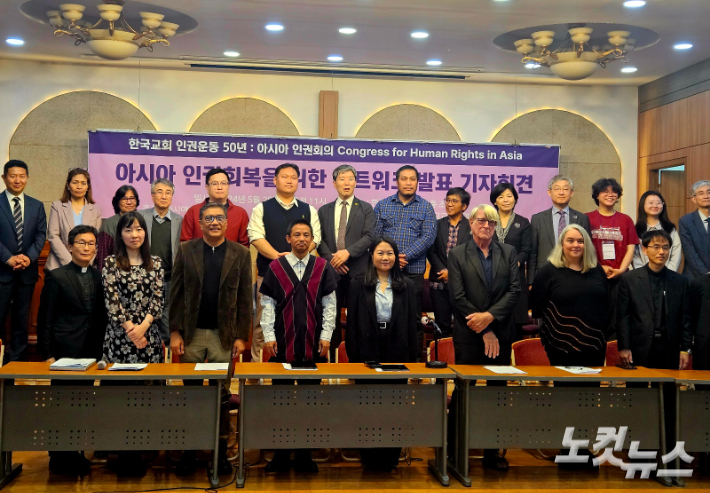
{"points": [[548, 224], [695, 234], [484, 287], [347, 229], [164, 233]]}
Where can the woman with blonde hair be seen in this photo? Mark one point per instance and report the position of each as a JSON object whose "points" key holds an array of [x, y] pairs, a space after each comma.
{"points": [[570, 294]]}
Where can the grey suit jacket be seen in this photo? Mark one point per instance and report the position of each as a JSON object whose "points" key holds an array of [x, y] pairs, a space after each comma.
{"points": [[359, 234], [696, 245], [544, 238], [61, 221], [175, 227]]}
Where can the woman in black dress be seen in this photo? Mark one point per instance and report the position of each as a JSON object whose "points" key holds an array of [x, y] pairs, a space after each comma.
{"points": [[382, 325], [514, 230], [571, 294]]}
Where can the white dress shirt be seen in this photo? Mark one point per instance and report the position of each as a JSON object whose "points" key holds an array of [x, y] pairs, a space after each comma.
{"points": [[556, 219], [11, 200], [703, 217], [268, 316], [257, 231]]}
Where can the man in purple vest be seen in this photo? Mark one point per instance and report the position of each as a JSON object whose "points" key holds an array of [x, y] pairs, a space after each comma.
{"points": [[267, 232], [299, 307]]}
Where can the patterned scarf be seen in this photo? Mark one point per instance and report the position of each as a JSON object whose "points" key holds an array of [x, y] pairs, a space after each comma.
{"points": [[503, 232]]}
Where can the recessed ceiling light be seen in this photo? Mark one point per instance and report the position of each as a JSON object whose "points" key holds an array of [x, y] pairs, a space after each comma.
{"points": [[335, 58], [14, 41], [629, 70], [274, 27], [232, 54], [433, 63], [683, 46], [532, 65], [347, 30], [633, 4], [420, 34]]}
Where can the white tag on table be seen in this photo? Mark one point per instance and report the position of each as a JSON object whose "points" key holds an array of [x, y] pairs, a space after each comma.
{"points": [[505, 370], [211, 366], [128, 366], [608, 250], [287, 366], [579, 370]]}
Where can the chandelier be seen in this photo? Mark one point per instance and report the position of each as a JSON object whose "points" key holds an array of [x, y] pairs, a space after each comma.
{"points": [[574, 59], [111, 37]]}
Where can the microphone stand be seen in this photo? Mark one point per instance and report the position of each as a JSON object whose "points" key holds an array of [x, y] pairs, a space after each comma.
{"points": [[437, 335]]}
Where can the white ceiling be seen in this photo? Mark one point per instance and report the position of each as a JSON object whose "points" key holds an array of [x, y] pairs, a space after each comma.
{"points": [[461, 33]]}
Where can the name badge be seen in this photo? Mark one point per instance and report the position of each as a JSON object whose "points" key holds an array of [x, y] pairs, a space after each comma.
{"points": [[608, 251]]}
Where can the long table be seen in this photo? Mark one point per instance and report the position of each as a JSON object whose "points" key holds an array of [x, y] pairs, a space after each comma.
{"points": [[381, 414], [536, 417], [112, 417]]}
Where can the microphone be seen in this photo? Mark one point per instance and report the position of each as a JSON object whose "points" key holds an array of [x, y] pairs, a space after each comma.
{"points": [[435, 363], [101, 365]]}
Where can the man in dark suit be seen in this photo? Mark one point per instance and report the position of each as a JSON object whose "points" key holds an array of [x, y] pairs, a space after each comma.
{"points": [[484, 288], [210, 310], [72, 321], [347, 228], [23, 230], [451, 231], [548, 224], [695, 233], [654, 320]]}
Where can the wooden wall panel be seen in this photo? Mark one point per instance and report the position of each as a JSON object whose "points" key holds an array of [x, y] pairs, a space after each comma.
{"points": [[679, 130]]}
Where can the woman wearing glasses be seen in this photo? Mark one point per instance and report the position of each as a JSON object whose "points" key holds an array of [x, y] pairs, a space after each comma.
{"points": [[514, 230], [76, 207], [652, 215], [125, 200]]}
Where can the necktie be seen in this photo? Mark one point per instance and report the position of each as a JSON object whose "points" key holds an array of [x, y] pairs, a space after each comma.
{"points": [[562, 224], [340, 244], [707, 224], [19, 227]]}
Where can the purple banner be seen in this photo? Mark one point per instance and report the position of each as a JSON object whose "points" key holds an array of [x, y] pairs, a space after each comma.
{"points": [[119, 158]]}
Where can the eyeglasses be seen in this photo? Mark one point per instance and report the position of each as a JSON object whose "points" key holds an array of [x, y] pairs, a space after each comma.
{"points": [[654, 204], [210, 219], [219, 183], [90, 244], [665, 248], [452, 201], [128, 199], [563, 189], [163, 193], [483, 222]]}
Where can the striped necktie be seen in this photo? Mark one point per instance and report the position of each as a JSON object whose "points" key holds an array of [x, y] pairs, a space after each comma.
{"points": [[19, 227], [562, 224]]}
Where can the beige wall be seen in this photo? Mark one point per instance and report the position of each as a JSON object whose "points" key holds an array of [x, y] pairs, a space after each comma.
{"points": [[173, 100]]}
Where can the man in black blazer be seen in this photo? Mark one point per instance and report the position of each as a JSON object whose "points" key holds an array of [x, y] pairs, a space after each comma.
{"points": [[23, 231], [694, 231], [451, 231], [484, 288], [344, 243], [548, 224], [654, 316], [72, 321]]}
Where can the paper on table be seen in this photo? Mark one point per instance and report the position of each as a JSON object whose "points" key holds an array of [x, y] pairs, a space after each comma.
{"points": [[579, 370], [287, 366], [128, 366], [505, 370], [81, 364], [211, 366]]}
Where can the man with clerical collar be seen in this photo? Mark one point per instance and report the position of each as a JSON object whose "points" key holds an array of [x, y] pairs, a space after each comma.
{"points": [[71, 322], [299, 308]]}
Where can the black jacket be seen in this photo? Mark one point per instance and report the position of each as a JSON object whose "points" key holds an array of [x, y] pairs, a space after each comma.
{"points": [[65, 326], [437, 252], [361, 338], [700, 301], [469, 293], [634, 324]]}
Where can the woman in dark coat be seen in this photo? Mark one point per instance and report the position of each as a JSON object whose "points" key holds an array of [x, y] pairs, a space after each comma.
{"points": [[382, 325], [514, 230]]}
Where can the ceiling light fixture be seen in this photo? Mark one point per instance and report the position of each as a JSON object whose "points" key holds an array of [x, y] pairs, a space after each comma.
{"points": [[574, 59], [347, 30], [629, 70], [634, 4], [335, 58], [274, 27], [15, 41], [232, 54], [118, 40], [420, 34], [532, 65], [683, 46], [433, 63]]}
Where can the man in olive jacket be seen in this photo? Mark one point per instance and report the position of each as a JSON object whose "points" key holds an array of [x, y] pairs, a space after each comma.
{"points": [[210, 309]]}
